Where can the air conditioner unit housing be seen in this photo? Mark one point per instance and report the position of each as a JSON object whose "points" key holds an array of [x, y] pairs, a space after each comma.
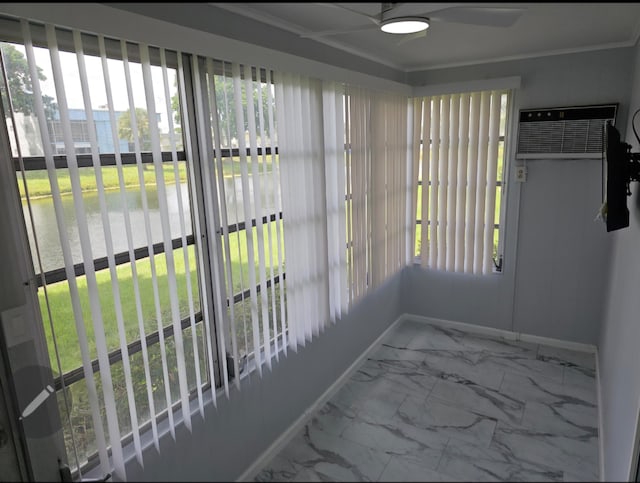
{"points": [[563, 132]]}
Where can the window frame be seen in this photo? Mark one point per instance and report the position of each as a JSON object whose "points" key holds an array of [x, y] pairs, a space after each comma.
{"points": [[33, 163]]}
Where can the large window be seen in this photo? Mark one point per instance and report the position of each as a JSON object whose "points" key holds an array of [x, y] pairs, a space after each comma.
{"points": [[459, 180], [161, 191], [126, 217]]}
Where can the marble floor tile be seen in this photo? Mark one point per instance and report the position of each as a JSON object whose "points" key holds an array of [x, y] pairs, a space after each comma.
{"points": [[462, 364], [468, 462], [333, 418], [395, 437], [439, 404], [440, 338], [579, 376], [404, 332], [376, 396], [519, 363], [577, 455], [525, 388], [567, 357], [332, 457], [482, 400], [404, 468], [279, 469], [566, 419], [484, 342], [396, 353], [447, 420]]}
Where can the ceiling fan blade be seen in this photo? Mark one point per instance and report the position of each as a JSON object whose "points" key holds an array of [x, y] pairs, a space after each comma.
{"points": [[407, 37], [487, 16], [327, 33], [374, 18]]}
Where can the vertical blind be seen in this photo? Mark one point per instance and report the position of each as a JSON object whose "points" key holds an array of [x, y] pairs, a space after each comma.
{"points": [[378, 190], [311, 144], [457, 170], [234, 104], [207, 302], [116, 413]]}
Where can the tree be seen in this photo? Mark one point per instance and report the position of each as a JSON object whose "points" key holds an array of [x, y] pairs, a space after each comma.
{"points": [[227, 110], [20, 84], [126, 132]]}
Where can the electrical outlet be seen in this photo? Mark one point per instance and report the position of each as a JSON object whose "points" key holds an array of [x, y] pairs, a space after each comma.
{"points": [[521, 173]]}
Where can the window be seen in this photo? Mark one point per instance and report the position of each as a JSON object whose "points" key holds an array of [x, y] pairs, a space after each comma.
{"points": [[151, 188], [114, 236], [183, 289], [458, 180]]}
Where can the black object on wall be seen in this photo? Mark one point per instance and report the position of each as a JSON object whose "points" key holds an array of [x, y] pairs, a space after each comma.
{"points": [[623, 166]]}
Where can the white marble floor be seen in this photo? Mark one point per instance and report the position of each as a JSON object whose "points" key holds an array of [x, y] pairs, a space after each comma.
{"points": [[436, 404]]}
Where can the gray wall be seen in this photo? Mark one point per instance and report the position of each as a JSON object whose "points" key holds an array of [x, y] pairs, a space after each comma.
{"points": [[209, 18], [556, 256], [619, 357], [235, 433]]}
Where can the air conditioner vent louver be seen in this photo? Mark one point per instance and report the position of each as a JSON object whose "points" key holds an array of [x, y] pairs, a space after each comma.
{"points": [[563, 132]]}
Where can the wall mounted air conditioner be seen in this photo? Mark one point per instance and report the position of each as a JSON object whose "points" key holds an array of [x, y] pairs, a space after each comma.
{"points": [[563, 132]]}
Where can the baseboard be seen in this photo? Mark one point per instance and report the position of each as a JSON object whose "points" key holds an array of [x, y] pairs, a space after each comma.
{"points": [[502, 333], [298, 424], [600, 435]]}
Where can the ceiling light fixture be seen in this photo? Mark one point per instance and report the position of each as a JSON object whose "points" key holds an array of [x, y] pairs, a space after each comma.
{"points": [[404, 25]]}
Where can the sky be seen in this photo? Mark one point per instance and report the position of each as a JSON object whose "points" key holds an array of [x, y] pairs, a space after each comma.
{"points": [[95, 80]]}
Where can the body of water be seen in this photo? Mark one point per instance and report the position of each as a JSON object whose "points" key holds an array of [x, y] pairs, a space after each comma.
{"points": [[49, 240]]}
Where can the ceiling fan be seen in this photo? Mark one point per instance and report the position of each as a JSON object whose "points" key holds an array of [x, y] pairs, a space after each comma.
{"points": [[411, 20]]}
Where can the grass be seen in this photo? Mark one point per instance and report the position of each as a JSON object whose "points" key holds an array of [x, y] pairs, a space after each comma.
{"points": [[63, 316], [39, 186], [58, 293]]}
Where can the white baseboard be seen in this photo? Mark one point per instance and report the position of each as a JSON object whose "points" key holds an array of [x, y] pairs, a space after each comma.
{"points": [[298, 424], [600, 435], [502, 333]]}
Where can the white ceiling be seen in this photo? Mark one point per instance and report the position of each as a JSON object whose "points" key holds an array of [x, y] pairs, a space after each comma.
{"points": [[540, 29]]}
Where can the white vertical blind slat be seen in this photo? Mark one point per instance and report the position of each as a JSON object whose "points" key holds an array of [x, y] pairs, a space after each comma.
{"points": [[426, 180], [275, 180], [481, 188], [454, 142], [443, 177], [416, 161], [129, 235], [435, 183], [87, 256], [470, 212], [66, 252], [227, 114], [259, 212], [492, 168], [284, 116], [225, 242], [268, 182], [183, 229], [166, 235], [106, 226], [237, 87], [215, 266], [200, 236], [147, 226], [461, 199]]}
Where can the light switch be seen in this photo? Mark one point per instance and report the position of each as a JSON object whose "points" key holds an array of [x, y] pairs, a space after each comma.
{"points": [[14, 325]]}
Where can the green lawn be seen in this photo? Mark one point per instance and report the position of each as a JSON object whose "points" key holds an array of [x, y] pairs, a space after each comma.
{"points": [[59, 296], [38, 181], [60, 301]]}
